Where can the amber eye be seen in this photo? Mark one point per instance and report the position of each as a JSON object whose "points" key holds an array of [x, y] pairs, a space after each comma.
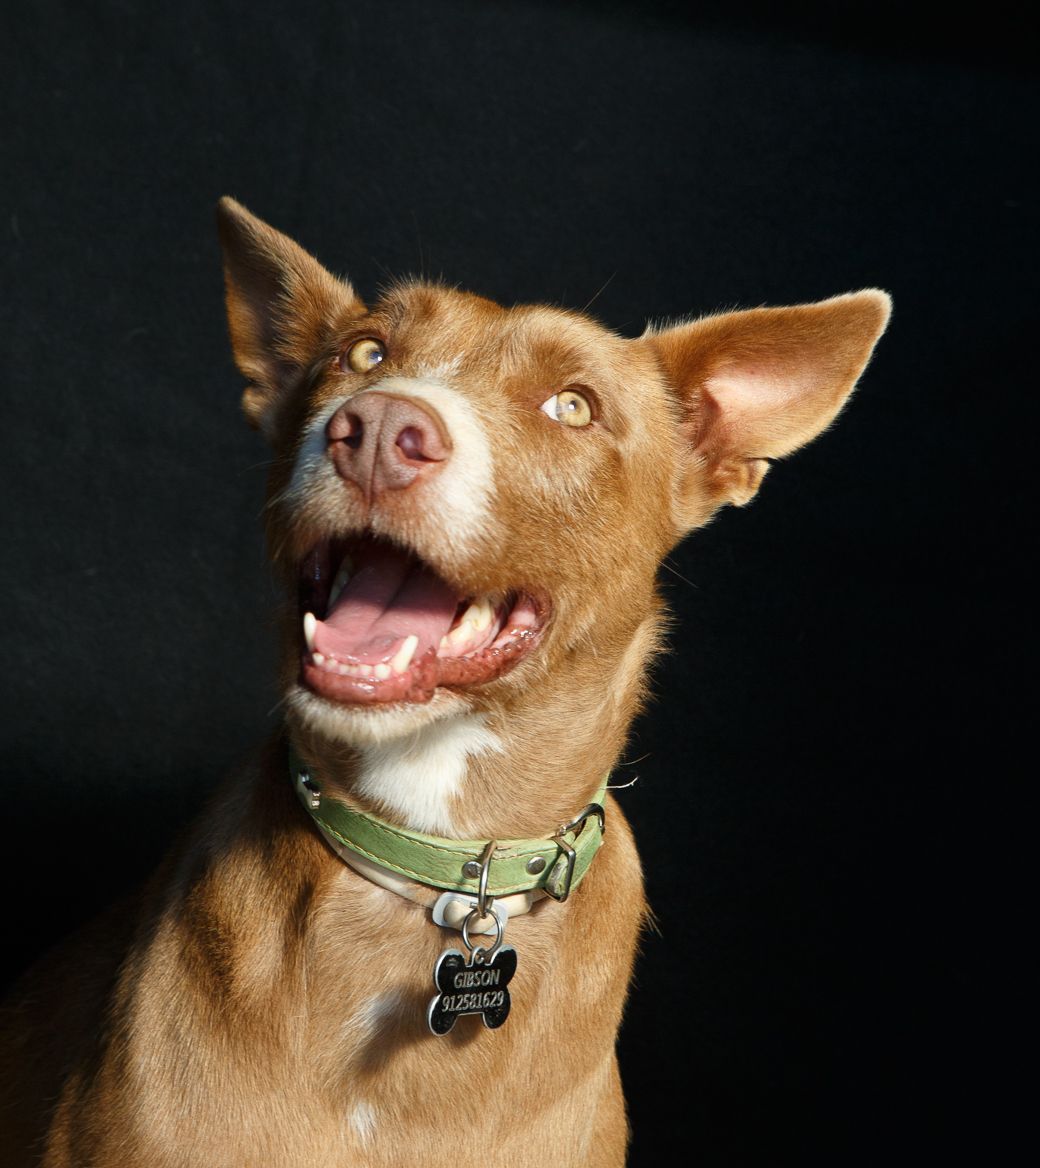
{"points": [[364, 356], [569, 407]]}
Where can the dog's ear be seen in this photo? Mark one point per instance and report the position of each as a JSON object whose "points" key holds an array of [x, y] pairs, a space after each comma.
{"points": [[757, 385], [282, 308]]}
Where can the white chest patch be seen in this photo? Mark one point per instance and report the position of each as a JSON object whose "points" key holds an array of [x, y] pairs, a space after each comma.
{"points": [[362, 1121], [379, 1009], [416, 776], [365, 1023]]}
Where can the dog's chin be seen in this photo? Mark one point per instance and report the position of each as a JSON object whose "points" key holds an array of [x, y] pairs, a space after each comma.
{"points": [[368, 725]]}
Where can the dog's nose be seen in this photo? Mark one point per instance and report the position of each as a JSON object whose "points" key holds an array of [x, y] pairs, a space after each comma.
{"points": [[385, 443]]}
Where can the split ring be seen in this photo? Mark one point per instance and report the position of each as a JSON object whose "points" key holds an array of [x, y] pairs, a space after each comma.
{"points": [[500, 929]]}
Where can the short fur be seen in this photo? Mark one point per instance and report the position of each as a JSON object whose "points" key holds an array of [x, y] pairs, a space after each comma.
{"points": [[262, 1003]]}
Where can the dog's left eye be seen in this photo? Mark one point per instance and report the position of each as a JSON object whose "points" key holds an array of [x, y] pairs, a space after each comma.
{"points": [[363, 356], [569, 407]]}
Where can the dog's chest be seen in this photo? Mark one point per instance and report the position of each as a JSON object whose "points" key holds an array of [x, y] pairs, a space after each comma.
{"points": [[330, 1060]]}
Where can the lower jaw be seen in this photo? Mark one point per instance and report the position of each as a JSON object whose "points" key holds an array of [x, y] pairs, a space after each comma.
{"points": [[357, 691], [423, 678]]}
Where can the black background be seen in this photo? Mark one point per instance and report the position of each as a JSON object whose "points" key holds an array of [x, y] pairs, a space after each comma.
{"points": [[819, 772]]}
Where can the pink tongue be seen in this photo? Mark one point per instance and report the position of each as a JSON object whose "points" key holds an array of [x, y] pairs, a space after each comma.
{"points": [[390, 597]]}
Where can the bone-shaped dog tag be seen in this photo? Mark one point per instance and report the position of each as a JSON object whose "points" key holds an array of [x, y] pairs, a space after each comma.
{"points": [[471, 987]]}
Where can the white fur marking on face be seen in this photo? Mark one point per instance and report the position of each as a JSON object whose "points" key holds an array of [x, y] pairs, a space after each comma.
{"points": [[462, 491], [311, 459], [427, 371], [417, 776], [370, 725], [363, 1122]]}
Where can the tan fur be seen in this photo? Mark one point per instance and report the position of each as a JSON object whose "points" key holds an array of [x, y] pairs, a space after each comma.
{"points": [[269, 1006]]}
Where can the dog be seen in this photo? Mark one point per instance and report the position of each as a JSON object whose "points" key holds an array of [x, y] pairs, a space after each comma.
{"points": [[406, 930]]}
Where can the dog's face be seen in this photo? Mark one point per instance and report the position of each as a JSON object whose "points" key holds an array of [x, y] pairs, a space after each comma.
{"points": [[466, 498]]}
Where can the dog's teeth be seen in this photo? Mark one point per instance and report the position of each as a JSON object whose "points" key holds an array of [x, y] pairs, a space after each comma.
{"points": [[318, 658], [309, 625], [382, 672], [459, 637], [479, 615], [472, 626], [403, 657], [341, 581], [362, 670]]}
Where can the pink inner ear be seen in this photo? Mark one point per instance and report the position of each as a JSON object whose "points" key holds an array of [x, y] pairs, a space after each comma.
{"points": [[766, 409], [759, 384], [744, 401], [751, 387]]}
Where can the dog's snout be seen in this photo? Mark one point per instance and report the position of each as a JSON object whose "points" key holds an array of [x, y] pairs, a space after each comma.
{"points": [[384, 443]]}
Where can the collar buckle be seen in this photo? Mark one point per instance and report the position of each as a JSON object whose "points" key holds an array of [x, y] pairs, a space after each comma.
{"points": [[558, 882]]}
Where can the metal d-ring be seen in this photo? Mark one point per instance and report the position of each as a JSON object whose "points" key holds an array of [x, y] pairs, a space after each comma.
{"points": [[484, 902]]}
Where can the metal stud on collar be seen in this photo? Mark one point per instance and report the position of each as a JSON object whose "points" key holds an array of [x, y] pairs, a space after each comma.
{"points": [[309, 789]]}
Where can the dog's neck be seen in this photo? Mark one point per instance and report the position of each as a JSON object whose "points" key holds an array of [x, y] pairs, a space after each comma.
{"points": [[511, 771]]}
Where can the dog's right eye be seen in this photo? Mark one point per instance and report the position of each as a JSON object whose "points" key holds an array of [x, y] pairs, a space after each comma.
{"points": [[363, 356]]}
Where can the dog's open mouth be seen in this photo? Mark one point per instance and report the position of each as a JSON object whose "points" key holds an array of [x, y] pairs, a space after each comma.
{"points": [[379, 625]]}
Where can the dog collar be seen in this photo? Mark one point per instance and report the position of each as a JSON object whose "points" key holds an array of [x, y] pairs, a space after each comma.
{"points": [[512, 872]]}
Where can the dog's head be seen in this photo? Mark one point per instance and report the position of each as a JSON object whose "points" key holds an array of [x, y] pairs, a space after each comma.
{"points": [[466, 497]]}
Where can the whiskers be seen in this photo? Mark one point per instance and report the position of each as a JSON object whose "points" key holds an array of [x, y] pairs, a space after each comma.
{"points": [[668, 568]]}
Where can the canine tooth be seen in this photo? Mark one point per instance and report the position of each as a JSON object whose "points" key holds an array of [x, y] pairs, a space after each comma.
{"points": [[309, 625], [318, 658], [382, 672], [403, 657]]}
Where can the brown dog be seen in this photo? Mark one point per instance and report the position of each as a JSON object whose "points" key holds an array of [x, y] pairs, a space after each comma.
{"points": [[468, 506]]}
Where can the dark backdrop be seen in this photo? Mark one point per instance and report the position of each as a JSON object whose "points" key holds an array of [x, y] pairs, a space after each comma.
{"points": [[818, 774]]}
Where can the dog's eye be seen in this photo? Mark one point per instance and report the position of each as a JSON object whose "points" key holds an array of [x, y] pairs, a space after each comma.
{"points": [[363, 356], [569, 407]]}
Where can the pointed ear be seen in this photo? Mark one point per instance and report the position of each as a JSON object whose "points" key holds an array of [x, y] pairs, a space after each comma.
{"points": [[754, 386], [282, 307]]}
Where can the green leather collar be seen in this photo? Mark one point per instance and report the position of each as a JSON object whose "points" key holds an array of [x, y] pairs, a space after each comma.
{"points": [[556, 864]]}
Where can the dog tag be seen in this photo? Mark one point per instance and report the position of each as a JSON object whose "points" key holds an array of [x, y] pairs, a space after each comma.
{"points": [[475, 986]]}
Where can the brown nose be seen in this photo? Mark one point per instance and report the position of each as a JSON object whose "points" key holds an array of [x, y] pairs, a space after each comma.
{"points": [[384, 443]]}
